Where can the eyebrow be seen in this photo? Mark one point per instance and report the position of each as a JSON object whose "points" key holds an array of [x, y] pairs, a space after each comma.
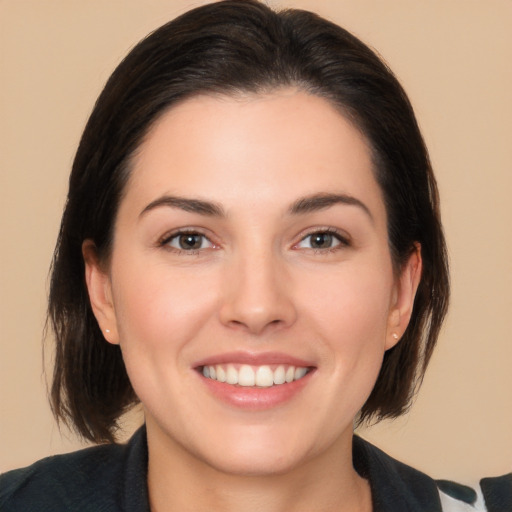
{"points": [[322, 201], [307, 204], [198, 206]]}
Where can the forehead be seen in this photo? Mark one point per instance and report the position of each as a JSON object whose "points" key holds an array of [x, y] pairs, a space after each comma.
{"points": [[253, 149]]}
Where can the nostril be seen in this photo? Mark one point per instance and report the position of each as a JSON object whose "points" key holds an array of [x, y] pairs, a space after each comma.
{"points": [[236, 323], [255, 325]]}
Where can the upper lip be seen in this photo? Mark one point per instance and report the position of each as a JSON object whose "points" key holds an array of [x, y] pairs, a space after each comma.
{"points": [[253, 359]]}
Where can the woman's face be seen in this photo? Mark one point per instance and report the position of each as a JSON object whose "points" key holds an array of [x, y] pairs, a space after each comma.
{"points": [[252, 242]]}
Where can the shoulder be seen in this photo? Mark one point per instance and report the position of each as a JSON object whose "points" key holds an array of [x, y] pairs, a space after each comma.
{"points": [[490, 495], [83, 480], [106, 478], [399, 487], [497, 492]]}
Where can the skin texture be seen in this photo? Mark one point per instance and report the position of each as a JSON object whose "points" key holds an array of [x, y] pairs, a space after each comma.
{"points": [[255, 284]]}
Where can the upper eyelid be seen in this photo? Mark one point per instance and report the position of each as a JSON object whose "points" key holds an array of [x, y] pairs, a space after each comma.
{"points": [[169, 235], [340, 234]]}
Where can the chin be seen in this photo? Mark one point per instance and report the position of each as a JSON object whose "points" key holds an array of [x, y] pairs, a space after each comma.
{"points": [[259, 454], [257, 464]]}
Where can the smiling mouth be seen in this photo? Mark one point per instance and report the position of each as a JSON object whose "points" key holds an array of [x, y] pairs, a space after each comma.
{"points": [[263, 376]]}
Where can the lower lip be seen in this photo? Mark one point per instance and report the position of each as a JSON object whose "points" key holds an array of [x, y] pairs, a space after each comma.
{"points": [[254, 398]]}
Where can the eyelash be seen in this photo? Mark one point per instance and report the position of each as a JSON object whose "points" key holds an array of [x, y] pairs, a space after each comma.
{"points": [[343, 241], [167, 238]]}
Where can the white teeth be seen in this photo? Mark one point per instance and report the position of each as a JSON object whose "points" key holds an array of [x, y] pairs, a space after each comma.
{"points": [[231, 375], [279, 375], [249, 376], [246, 376], [264, 377], [299, 373], [221, 374]]}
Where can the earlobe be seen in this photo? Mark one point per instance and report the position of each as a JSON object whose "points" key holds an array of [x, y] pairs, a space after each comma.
{"points": [[100, 292], [407, 285]]}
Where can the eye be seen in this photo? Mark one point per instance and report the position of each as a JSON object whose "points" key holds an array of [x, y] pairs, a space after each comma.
{"points": [[188, 242], [322, 240]]}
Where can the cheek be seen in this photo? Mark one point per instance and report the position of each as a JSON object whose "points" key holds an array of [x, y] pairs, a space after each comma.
{"points": [[159, 313], [352, 315], [160, 309]]}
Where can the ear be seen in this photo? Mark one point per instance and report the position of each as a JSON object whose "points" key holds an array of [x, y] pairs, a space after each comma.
{"points": [[403, 299], [100, 292]]}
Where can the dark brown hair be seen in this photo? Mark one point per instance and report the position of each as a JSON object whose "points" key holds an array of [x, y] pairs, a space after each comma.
{"points": [[231, 47]]}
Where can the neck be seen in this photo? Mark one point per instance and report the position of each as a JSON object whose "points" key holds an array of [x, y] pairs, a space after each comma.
{"points": [[178, 480]]}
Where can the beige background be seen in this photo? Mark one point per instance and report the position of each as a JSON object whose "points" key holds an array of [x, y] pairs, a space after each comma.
{"points": [[453, 57]]}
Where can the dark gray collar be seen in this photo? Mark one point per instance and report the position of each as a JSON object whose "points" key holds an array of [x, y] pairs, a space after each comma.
{"points": [[395, 487], [134, 491]]}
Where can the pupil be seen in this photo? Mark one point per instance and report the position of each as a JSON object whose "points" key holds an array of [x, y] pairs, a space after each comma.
{"points": [[190, 241], [321, 240]]}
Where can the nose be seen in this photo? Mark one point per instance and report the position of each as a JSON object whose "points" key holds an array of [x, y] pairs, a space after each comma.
{"points": [[257, 295]]}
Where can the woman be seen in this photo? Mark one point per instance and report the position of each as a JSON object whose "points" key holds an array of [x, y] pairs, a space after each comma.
{"points": [[255, 215]]}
